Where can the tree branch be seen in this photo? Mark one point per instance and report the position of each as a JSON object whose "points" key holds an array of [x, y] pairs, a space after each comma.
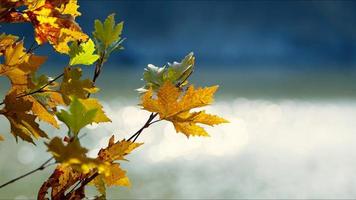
{"points": [[134, 137], [41, 167], [39, 89], [98, 67], [146, 125]]}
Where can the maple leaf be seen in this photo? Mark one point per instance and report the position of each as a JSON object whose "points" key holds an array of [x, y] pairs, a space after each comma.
{"points": [[81, 113], [53, 21], [22, 122], [73, 86], [117, 150], [176, 73], [6, 41], [20, 67], [66, 177], [107, 35], [115, 176], [47, 95], [92, 103], [75, 164], [6, 8], [62, 178], [82, 53], [100, 186], [45, 102], [74, 155], [172, 106]]}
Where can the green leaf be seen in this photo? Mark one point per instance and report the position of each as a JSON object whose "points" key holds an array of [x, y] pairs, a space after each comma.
{"points": [[82, 54], [108, 33], [176, 73], [77, 117], [107, 36]]}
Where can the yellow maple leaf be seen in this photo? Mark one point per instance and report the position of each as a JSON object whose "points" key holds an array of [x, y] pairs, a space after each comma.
{"points": [[117, 150], [73, 86], [19, 66], [45, 111], [92, 103], [74, 155], [6, 41], [45, 101], [173, 104], [70, 8], [115, 176]]}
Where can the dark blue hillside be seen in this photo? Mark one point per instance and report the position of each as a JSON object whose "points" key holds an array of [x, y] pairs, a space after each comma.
{"points": [[239, 34]]}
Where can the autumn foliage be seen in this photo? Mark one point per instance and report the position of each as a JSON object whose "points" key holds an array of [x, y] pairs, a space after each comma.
{"points": [[35, 98]]}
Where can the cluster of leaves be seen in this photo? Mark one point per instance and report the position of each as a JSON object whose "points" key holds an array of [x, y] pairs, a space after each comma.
{"points": [[53, 20], [33, 98]]}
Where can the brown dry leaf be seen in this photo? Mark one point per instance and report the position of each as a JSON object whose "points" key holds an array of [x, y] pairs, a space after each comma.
{"points": [[22, 122], [61, 180], [66, 177]]}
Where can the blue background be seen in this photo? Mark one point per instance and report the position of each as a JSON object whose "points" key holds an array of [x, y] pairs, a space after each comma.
{"points": [[292, 35]]}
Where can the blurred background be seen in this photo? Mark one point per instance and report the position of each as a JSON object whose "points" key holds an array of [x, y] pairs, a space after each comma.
{"points": [[287, 76]]}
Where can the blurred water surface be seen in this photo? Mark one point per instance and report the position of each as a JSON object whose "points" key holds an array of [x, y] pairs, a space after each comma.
{"points": [[290, 136], [286, 71]]}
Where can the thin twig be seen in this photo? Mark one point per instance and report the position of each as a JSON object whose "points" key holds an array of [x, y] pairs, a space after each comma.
{"points": [[158, 120], [134, 137], [82, 184], [39, 89], [30, 49], [147, 124], [98, 67], [41, 167]]}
